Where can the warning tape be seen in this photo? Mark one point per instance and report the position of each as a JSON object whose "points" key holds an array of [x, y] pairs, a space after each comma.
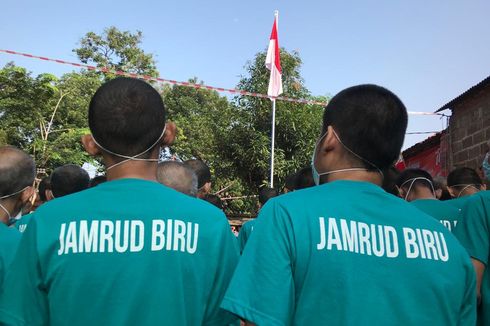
{"points": [[162, 80], [179, 83]]}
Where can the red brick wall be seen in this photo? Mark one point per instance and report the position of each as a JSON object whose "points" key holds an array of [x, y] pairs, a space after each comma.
{"points": [[469, 130]]}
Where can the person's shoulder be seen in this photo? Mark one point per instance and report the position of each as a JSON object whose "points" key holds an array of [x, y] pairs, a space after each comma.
{"points": [[483, 195], [249, 224], [457, 202], [22, 222], [24, 219], [65, 202], [435, 203], [9, 234]]}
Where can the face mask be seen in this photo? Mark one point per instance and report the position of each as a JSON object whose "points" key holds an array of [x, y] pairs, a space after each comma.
{"points": [[317, 175], [412, 182], [131, 158], [10, 195]]}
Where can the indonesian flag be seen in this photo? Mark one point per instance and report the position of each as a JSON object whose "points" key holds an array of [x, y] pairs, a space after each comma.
{"points": [[273, 62], [400, 164]]}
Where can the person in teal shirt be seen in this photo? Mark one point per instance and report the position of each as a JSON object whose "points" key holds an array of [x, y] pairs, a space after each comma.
{"points": [[416, 186], [65, 180], [462, 183], [246, 230], [17, 173], [129, 251], [474, 234], [9, 240], [347, 252]]}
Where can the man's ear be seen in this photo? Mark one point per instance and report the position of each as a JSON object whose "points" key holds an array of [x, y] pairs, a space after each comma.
{"points": [[438, 193], [451, 192], [328, 142], [27, 194], [207, 187], [49, 195], [169, 136], [90, 146], [401, 192]]}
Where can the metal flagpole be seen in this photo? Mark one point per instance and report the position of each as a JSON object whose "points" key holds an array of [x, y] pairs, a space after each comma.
{"points": [[273, 141]]}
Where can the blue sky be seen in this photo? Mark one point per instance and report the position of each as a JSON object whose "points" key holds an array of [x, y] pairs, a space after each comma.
{"points": [[427, 52]]}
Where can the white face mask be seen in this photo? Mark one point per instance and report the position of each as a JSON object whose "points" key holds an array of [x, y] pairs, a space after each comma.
{"points": [[412, 182], [10, 195], [316, 175], [134, 157]]}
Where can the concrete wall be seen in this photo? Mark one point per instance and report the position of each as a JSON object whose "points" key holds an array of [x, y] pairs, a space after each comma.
{"points": [[469, 130]]}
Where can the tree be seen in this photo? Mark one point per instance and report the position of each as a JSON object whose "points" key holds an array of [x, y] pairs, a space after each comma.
{"points": [[45, 115], [234, 138], [119, 50], [203, 119], [297, 125]]}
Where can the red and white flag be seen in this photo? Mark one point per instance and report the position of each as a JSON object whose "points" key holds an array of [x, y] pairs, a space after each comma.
{"points": [[400, 164], [273, 62]]}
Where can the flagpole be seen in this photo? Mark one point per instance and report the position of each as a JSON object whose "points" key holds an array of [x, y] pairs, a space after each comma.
{"points": [[273, 140], [272, 62]]}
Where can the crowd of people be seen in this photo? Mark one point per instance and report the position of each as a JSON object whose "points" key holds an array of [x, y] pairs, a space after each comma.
{"points": [[350, 240]]}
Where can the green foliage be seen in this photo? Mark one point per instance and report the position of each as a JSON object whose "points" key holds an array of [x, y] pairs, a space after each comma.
{"points": [[204, 119], [44, 115], [297, 125], [234, 138], [119, 50]]}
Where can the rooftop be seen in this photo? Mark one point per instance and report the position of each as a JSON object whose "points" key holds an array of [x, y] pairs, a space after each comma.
{"points": [[462, 96]]}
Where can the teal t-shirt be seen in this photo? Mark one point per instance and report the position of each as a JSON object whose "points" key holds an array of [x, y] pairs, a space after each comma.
{"points": [[473, 232], [447, 214], [348, 253], [9, 240], [245, 233], [458, 202], [127, 252], [21, 224]]}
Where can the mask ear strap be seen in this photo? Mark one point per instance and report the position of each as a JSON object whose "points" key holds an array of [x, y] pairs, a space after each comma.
{"points": [[358, 156], [134, 157], [467, 186], [409, 188], [6, 211], [413, 181]]}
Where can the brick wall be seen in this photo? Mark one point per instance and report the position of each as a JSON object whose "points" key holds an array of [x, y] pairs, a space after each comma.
{"points": [[469, 129]]}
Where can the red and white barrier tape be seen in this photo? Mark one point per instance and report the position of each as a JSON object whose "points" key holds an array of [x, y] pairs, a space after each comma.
{"points": [[174, 82]]}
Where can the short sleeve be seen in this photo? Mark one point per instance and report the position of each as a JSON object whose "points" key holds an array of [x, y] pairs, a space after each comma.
{"points": [[227, 260], [23, 299], [473, 230], [9, 244], [467, 316], [262, 288]]}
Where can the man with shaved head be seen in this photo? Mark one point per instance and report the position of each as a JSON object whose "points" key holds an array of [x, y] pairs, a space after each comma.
{"points": [[203, 174], [17, 173], [177, 176], [65, 180], [129, 251]]}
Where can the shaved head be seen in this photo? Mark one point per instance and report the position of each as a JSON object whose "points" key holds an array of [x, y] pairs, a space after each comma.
{"points": [[177, 176], [68, 179], [17, 170]]}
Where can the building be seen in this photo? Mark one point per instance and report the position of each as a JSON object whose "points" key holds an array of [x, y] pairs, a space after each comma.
{"points": [[463, 143], [427, 155]]}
